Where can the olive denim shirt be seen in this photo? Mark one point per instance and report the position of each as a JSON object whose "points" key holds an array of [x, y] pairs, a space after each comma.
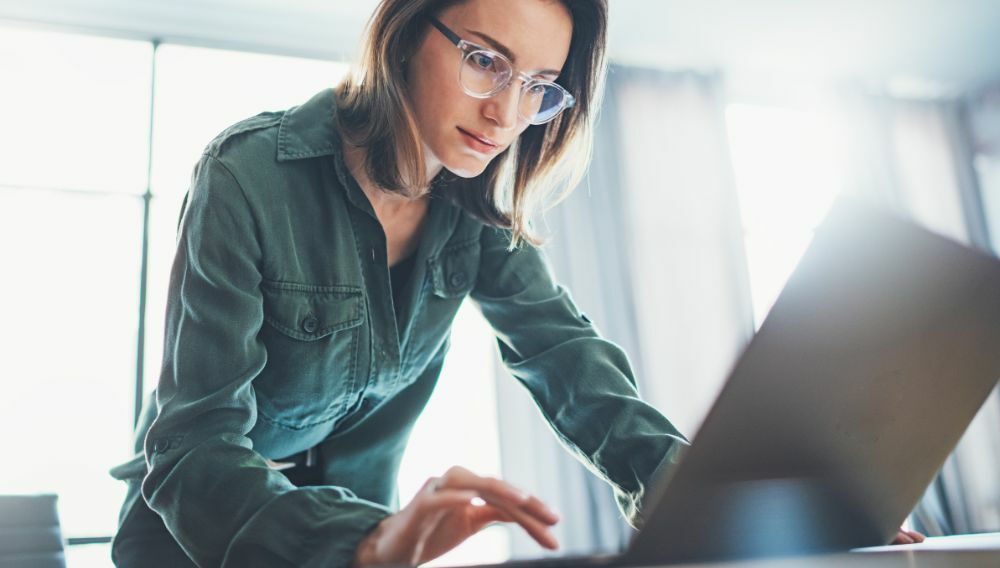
{"points": [[281, 335]]}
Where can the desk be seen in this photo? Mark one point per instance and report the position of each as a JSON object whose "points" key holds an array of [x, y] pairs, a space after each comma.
{"points": [[963, 551]]}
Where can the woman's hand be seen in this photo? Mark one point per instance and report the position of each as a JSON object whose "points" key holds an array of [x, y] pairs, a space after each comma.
{"points": [[446, 511], [908, 537]]}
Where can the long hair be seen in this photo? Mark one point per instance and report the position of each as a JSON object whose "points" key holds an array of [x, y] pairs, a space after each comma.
{"points": [[537, 171]]}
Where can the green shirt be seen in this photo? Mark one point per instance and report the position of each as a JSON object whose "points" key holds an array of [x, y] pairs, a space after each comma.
{"points": [[281, 334]]}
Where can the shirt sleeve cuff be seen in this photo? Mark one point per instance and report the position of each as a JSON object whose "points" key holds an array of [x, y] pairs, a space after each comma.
{"points": [[319, 526]]}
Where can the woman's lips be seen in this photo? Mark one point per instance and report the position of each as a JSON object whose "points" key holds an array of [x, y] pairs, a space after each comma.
{"points": [[477, 143]]}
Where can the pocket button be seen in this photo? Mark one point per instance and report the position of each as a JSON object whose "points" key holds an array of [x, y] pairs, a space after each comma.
{"points": [[309, 323], [457, 279]]}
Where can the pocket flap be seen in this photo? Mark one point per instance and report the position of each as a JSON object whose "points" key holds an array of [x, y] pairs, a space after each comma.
{"points": [[135, 468], [455, 269], [309, 312]]}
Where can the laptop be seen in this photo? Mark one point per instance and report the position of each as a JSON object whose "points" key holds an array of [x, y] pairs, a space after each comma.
{"points": [[872, 362]]}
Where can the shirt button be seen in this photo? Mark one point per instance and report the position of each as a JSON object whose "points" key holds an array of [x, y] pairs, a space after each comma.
{"points": [[457, 279], [309, 323]]}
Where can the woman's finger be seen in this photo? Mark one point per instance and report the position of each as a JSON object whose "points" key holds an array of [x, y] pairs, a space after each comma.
{"points": [[535, 528], [523, 509], [541, 510], [532, 507], [487, 515], [500, 490], [458, 476], [447, 498], [451, 498]]}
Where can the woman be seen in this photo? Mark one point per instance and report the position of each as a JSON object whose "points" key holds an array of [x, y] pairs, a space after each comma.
{"points": [[322, 255]]}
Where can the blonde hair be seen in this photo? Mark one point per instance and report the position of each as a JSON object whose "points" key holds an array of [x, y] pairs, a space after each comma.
{"points": [[536, 172]]}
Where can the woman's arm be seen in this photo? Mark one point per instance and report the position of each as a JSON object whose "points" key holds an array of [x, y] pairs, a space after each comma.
{"points": [[582, 383], [217, 496]]}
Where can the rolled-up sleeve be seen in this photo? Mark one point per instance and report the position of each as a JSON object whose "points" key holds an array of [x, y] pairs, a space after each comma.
{"points": [[217, 496], [583, 383]]}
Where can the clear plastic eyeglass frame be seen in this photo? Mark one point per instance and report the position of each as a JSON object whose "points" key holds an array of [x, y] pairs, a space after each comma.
{"points": [[565, 99]]}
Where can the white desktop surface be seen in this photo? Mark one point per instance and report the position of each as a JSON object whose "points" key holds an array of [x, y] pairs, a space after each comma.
{"points": [[963, 551]]}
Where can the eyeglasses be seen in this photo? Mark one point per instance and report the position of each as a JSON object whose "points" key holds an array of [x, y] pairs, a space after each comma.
{"points": [[484, 73]]}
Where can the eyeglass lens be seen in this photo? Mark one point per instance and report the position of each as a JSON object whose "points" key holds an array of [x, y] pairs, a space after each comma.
{"points": [[484, 74]]}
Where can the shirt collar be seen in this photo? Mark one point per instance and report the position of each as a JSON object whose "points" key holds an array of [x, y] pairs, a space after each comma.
{"points": [[310, 130]]}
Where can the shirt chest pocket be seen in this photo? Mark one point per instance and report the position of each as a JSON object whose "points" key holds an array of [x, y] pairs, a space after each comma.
{"points": [[312, 334], [451, 277], [454, 270]]}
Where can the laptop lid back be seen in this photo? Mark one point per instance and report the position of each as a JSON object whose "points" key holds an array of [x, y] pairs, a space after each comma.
{"points": [[876, 356]]}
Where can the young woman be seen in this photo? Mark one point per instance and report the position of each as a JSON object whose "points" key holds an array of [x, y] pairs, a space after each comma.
{"points": [[322, 255]]}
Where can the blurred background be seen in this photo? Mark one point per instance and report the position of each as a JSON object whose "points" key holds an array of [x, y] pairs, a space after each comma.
{"points": [[728, 128]]}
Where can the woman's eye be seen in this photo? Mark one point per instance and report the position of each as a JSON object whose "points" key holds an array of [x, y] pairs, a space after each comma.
{"points": [[483, 60]]}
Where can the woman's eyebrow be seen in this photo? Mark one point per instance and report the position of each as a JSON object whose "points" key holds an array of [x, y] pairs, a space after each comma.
{"points": [[506, 52]]}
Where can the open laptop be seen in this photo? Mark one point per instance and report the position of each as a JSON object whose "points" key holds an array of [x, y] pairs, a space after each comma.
{"points": [[872, 362]]}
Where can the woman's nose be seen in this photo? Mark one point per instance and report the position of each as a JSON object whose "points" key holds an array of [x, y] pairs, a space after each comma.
{"points": [[501, 108]]}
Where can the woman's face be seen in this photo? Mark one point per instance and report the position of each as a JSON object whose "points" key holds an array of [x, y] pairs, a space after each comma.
{"points": [[537, 34]]}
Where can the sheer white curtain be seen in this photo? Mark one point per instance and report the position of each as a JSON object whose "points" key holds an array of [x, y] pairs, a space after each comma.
{"points": [[651, 248], [917, 157], [694, 312], [984, 122], [981, 114]]}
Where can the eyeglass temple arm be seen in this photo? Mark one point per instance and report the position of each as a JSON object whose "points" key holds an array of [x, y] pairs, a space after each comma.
{"points": [[452, 36]]}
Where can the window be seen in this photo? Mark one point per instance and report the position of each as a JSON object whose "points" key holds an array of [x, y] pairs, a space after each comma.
{"points": [[73, 154], [75, 112], [988, 168], [786, 168]]}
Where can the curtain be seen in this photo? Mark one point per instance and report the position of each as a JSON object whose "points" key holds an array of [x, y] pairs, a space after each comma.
{"points": [[918, 157], [984, 123], [650, 246], [687, 255]]}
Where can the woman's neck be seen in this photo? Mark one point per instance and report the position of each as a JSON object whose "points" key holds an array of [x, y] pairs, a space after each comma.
{"points": [[354, 158]]}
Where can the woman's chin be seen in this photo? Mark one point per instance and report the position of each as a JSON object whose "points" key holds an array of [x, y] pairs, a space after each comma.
{"points": [[467, 168]]}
